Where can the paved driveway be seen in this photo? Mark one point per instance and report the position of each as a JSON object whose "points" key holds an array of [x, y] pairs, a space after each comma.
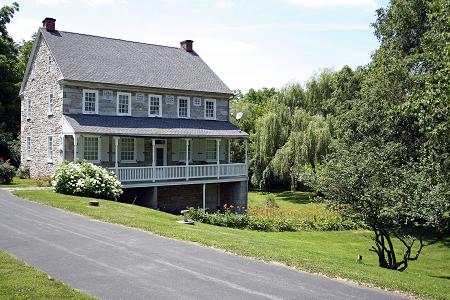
{"points": [[115, 262]]}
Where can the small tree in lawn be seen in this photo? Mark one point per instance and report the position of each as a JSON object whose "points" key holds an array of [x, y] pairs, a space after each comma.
{"points": [[405, 201]]}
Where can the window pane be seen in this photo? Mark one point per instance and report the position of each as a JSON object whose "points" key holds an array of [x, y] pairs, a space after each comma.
{"points": [[210, 109], [49, 148], [183, 108], [89, 102], [124, 101], [127, 149], [210, 150], [91, 148], [154, 105]]}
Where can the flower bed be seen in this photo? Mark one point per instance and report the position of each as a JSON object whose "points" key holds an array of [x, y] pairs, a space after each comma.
{"points": [[273, 219]]}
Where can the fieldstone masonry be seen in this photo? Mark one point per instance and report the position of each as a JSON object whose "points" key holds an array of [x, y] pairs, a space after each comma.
{"points": [[42, 80]]}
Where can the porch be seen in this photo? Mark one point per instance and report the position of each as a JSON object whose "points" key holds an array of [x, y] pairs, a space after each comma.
{"points": [[147, 161]]}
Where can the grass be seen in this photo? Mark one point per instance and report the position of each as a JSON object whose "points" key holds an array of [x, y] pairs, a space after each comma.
{"points": [[330, 253], [19, 182], [21, 281]]}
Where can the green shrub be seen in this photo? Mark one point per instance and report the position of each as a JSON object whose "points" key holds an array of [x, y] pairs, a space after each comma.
{"points": [[23, 172], [7, 171], [271, 201], [85, 179]]}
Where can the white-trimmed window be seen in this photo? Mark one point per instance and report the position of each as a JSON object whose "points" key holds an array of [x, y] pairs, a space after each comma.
{"points": [[184, 107], [49, 149], [154, 105], [211, 150], [91, 148], [210, 109], [182, 152], [128, 150], [90, 102], [123, 104], [50, 104], [28, 148], [28, 108], [49, 62]]}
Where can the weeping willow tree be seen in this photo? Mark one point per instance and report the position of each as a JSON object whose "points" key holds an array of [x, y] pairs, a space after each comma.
{"points": [[272, 133], [306, 147]]}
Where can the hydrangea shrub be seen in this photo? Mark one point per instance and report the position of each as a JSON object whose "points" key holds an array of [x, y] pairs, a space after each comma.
{"points": [[85, 179]]}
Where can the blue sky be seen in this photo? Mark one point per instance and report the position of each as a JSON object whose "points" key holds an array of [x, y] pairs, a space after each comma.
{"points": [[248, 43]]}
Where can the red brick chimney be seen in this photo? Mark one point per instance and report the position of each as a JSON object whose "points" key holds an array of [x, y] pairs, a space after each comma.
{"points": [[187, 45], [49, 24]]}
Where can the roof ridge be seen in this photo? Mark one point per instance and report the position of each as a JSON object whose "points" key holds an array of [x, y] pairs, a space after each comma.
{"points": [[117, 39]]}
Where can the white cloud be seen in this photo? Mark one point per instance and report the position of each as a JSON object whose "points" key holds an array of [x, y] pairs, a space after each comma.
{"points": [[332, 3], [225, 4], [22, 28], [298, 26], [51, 2]]}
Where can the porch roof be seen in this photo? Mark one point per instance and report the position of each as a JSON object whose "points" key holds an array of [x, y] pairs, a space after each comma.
{"points": [[152, 127]]}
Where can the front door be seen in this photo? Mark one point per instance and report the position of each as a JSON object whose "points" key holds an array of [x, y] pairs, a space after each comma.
{"points": [[160, 156]]}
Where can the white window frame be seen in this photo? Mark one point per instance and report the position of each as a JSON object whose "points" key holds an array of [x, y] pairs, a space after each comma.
{"points": [[99, 151], [129, 104], [28, 148], [135, 150], [49, 149], [215, 151], [50, 104], [160, 105], [28, 99], [96, 102], [215, 109], [188, 106], [49, 62]]}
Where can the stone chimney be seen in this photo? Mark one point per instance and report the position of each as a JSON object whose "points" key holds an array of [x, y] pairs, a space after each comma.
{"points": [[49, 24], [187, 45]]}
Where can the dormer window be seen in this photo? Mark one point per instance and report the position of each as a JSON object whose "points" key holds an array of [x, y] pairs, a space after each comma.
{"points": [[210, 109], [90, 102], [154, 106], [123, 104], [184, 107]]}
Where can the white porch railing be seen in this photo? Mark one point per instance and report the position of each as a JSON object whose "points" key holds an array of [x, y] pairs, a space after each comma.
{"points": [[163, 173]]}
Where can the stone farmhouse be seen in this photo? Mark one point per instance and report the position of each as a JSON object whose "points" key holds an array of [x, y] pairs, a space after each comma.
{"points": [[157, 116]]}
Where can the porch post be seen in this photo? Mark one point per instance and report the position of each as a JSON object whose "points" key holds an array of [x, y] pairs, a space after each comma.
{"points": [[204, 196], [75, 144], [229, 150], [218, 157], [63, 148], [153, 159], [246, 158], [116, 159], [187, 159]]}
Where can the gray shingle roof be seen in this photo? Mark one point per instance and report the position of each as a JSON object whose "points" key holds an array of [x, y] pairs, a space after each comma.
{"points": [[90, 58], [153, 127]]}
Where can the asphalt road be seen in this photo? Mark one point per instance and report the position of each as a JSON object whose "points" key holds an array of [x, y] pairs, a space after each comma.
{"points": [[115, 262]]}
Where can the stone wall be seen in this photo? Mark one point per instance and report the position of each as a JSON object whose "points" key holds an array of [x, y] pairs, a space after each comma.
{"points": [[73, 96], [175, 198], [42, 80]]}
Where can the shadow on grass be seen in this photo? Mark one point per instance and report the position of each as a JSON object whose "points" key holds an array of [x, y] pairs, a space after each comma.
{"points": [[297, 197]]}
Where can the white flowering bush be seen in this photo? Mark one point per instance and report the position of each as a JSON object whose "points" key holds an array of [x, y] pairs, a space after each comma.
{"points": [[85, 179]]}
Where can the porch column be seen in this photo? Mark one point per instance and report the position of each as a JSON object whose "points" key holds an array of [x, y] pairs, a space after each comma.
{"points": [[204, 196], [246, 158], [187, 159], [153, 159], [116, 159], [229, 150], [75, 144], [218, 157]]}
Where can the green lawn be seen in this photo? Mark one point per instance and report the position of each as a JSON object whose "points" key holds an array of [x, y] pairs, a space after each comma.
{"points": [[330, 253], [21, 281], [19, 182]]}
